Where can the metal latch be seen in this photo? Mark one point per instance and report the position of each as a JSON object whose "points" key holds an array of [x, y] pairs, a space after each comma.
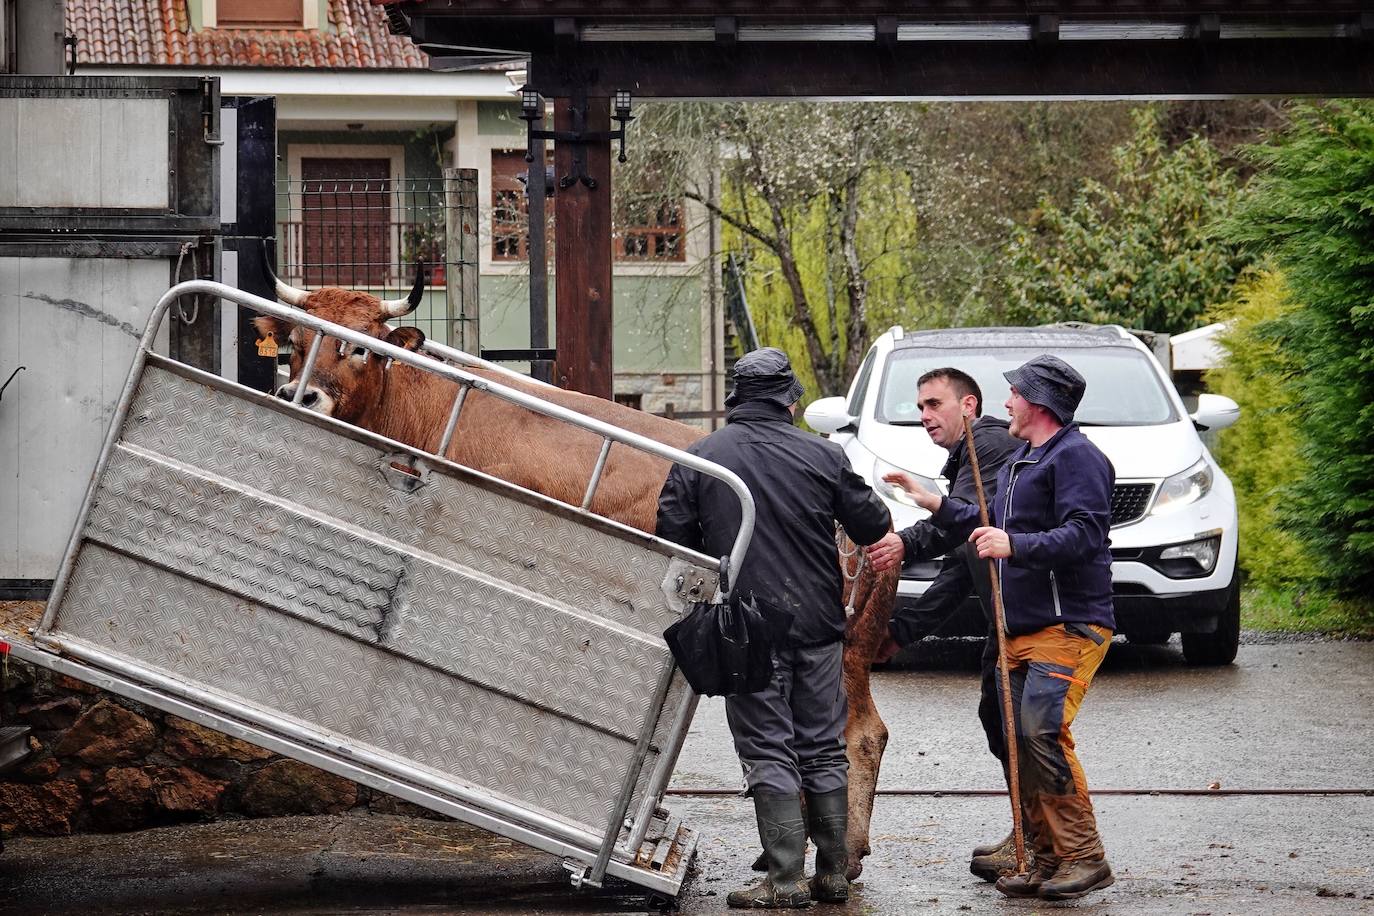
{"points": [[405, 472], [686, 583]]}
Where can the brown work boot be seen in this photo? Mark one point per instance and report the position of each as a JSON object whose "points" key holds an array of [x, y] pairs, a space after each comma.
{"points": [[1076, 878], [988, 849], [1027, 885], [996, 860]]}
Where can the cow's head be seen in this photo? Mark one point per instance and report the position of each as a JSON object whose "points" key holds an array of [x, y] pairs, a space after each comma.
{"points": [[347, 379]]}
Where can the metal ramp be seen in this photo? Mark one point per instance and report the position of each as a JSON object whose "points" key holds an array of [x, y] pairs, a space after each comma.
{"points": [[384, 614]]}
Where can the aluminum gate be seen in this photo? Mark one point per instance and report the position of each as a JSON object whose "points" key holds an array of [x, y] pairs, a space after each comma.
{"points": [[383, 613]]}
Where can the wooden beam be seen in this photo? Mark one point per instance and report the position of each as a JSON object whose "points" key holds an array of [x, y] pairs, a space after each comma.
{"points": [[983, 70], [582, 248], [831, 10]]}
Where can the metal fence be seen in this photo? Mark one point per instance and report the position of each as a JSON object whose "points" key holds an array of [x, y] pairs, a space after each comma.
{"points": [[369, 234]]}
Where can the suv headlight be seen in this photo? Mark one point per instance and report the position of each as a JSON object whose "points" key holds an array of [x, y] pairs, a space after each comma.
{"points": [[1184, 488]]}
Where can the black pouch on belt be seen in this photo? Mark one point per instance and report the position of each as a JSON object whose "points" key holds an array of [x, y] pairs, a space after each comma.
{"points": [[1087, 632]]}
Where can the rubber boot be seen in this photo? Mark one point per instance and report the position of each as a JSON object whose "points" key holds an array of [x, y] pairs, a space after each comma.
{"points": [[782, 832], [827, 819], [1075, 878]]}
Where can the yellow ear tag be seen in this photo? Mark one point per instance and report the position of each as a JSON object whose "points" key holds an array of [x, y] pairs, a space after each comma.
{"points": [[267, 346]]}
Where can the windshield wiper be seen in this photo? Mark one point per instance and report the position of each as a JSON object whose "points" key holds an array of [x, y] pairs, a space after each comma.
{"points": [[903, 422]]}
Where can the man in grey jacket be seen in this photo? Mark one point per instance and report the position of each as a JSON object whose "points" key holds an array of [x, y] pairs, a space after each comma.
{"points": [[789, 736]]}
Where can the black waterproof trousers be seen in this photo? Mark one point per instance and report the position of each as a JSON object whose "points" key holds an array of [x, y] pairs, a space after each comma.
{"points": [[790, 736]]}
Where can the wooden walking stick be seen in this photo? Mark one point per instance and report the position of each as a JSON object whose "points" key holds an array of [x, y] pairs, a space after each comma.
{"points": [[1008, 725]]}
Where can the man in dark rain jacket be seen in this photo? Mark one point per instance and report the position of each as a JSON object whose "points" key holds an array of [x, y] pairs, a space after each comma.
{"points": [[1049, 530], [789, 736], [945, 397]]}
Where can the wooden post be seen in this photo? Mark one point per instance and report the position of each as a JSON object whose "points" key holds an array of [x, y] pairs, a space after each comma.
{"points": [[461, 256], [582, 250]]}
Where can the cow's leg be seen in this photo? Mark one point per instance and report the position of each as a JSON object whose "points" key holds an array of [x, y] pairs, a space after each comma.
{"points": [[865, 733], [866, 737]]}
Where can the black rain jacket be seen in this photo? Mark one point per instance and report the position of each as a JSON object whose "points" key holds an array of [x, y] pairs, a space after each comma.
{"points": [[926, 541], [913, 621], [801, 484]]}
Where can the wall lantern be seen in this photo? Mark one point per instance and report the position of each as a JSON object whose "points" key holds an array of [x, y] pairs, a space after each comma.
{"points": [[532, 112]]}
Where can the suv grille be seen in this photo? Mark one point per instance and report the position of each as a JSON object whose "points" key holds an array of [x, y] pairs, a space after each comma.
{"points": [[1129, 501]]}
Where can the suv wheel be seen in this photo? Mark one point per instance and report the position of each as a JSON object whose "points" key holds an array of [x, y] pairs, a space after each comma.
{"points": [[1220, 646]]}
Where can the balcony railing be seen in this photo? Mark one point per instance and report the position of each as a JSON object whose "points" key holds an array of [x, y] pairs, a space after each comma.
{"points": [[362, 255]]}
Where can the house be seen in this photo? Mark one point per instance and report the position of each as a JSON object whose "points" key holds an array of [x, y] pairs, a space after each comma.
{"points": [[365, 129]]}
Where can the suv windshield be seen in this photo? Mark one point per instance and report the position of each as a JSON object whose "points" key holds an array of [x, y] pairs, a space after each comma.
{"points": [[1123, 388]]}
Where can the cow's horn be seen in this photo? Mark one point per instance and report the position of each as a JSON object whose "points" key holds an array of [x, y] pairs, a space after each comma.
{"points": [[395, 308], [286, 293]]}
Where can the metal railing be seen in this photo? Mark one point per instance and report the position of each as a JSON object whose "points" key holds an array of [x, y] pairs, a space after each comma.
{"points": [[465, 382]]}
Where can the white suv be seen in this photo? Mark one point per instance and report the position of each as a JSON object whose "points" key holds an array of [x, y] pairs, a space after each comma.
{"points": [[1174, 531]]}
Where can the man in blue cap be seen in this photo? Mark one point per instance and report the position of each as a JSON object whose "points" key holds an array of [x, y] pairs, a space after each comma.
{"points": [[1049, 529], [789, 736]]}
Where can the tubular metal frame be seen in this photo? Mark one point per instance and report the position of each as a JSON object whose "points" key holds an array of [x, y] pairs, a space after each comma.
{"points": [[604, 853]]}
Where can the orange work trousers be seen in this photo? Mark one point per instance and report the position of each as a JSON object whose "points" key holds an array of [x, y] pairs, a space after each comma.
{"points": [[1050, 671]]}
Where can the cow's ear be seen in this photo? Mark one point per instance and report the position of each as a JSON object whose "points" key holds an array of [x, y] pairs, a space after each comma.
{"points": [[268, 326], [408, 337]]}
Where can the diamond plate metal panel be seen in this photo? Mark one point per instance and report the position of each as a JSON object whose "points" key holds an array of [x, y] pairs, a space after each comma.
{"points": [[344, 688], [484, 638], [275, 453], [502, 638]]}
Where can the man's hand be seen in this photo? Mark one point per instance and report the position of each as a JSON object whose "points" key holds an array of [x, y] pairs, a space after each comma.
{"points": [[924, 498], [887, 553], [991, 543]]}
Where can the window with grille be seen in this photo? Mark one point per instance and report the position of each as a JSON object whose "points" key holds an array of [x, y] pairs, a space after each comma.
{"points": [[345, 221], [646, 230], [649, 225], [270, 13], [510, 207], [651, 232]]}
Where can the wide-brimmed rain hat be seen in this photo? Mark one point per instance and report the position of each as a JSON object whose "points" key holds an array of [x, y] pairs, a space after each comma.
{"points": [[764, 375], [1051, 383]]}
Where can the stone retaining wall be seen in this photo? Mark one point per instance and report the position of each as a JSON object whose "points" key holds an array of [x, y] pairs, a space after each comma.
{"points": [[103, 763]]}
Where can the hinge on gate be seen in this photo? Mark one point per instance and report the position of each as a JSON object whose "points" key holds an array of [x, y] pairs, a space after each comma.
{"points": [[209, 111], [579, 874]]}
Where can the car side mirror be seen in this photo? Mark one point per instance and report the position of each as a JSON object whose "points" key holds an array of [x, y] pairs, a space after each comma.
{"points": [[1215, 411], [830, 416]]}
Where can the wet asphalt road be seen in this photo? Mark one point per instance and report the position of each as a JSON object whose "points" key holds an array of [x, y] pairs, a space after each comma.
{"points": [[1286, 715]]}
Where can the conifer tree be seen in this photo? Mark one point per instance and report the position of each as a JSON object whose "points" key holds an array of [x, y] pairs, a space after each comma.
{"points": [[1312, 210]]}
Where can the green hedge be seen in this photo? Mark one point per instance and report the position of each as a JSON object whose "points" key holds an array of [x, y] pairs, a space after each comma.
{"points": [[1262, 452], [1311, 209]]}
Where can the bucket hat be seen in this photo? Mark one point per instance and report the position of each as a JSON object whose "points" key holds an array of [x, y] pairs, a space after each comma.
{"points": [[1051, 383], [764, 375]]}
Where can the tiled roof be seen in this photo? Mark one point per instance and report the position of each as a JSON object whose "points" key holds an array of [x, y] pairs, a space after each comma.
{"points": [[157, 33]]}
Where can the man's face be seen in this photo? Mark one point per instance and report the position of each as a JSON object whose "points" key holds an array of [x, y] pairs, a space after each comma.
{"points": [[1021, 412], [942, 411]]}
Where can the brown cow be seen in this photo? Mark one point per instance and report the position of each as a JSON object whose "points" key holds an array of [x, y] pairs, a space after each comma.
{"points": [[500, 438]]}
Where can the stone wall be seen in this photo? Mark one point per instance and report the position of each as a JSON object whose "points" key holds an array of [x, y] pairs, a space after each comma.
{"points": [[103, 763]]}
